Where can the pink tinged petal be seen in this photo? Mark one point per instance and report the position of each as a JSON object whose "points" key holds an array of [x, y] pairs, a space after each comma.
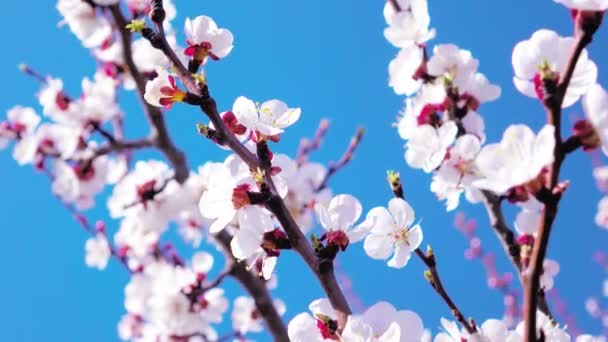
{"points": [[551, 267], [401, 256], [344, 210], [527, 221], [412, 326], [378, 247], [380, 316], [494, 330], [402, 212]]}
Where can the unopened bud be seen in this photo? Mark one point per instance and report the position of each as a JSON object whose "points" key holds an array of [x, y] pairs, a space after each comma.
{"points": [[585, 131], [136, 25]]}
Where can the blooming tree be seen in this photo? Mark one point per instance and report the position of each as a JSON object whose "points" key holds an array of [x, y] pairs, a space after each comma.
{"points": [[256, 205]]}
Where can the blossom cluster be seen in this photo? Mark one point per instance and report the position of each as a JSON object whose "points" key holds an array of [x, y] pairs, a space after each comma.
{"points": [[172, 298]]}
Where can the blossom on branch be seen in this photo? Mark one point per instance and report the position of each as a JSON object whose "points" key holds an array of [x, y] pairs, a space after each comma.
{"points": [[595, 104], [392, 233], [98, 251], [518, 160], [265, 120], [204, 39], [543, 58], [338, 218], [162, 91]]}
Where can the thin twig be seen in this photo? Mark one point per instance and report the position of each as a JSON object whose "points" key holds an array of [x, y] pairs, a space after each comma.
{"points": [[323, 271], [334, 167], [308, 146], [159, 133], [256, 288], [435, 280], [505, 234], [552, 192]]}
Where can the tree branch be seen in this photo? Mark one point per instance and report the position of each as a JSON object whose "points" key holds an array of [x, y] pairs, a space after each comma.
{"points": [[323, 270], [503, 232], [345, 159], [551, 195], [159, 133], [119, 146], [256, 288], [432, 275], [307, 146]]}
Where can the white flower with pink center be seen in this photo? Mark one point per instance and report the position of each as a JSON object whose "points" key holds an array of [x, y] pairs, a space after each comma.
{"points": [[518, 159], [146, 192], [544, 57], [318, 327], [457, 173], [90, 28], [49, 139], [206, 39], [162, 91], [245, 316], [392, 233], [595, 104], [97, 252], [404, 70], [410, 25], [338, 218], [427, 147], [268, 119], [21, 122]]}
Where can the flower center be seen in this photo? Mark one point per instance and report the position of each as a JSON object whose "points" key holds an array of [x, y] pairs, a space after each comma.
{"points": [[401, 236]]}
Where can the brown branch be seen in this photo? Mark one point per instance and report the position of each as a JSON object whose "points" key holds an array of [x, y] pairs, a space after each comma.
{"points": [[119, 146], [552, 192], [256, 288], [506, 236], [308, 146], [503, 232], [345, 159], [323, 270], [432, 275], [159, 133], [435, 281]]}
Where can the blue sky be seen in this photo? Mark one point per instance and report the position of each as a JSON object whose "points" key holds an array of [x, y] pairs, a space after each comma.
{"points": [[330, 58]]}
